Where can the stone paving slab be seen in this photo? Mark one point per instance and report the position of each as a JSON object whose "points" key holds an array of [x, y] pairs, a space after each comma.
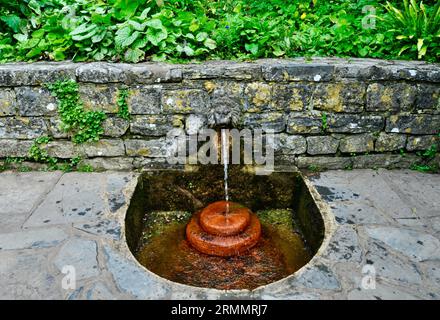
{"points": [[20, 193], [384, 228]]}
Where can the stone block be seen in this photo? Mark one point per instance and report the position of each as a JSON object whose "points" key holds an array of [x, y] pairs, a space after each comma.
{"points": [[8, 102], [258, 97], [418, 143], [154, 125], [322, 145], [35, 74], [291, 97], [357, 143], [390, 142], [22, 128], [103, 148], [14, 148], [144, 100], [185, 101], [339, 97], [350, 123], [304, 123], [323, 163], [115, 127], [297, 71], [98, 97], [35, 101], [428, 98], [391, 97], [290, 144], [413, 124], [273, 121]]}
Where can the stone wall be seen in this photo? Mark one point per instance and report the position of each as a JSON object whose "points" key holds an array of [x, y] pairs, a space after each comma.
{"points": [[378, 113]]}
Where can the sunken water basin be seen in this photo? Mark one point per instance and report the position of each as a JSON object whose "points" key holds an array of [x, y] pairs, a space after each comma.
{"points": [[164, 201]]}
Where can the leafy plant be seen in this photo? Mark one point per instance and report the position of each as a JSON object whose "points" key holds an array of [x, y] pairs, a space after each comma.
{"points": [[186, 30], [324, 122], [85, 125], [37, 154], [417, 26], [123, 111], [426, 156]]}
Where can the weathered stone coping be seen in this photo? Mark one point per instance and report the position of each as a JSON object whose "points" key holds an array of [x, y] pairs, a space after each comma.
{"points": [[277, 70]]}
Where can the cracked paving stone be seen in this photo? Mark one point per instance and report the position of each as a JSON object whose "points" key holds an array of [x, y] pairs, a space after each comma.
{"points": [[432, 271], [284, 291], [23, 275], [105, 227], [387, 266], [344, 246], [318, 277], [14, 188], [99, 291], [116, 182], [420, 190], [82, 255], [30, 239], [132, 279], [356, 212], [331, 194], [381, 292], [370, 187], [76, 197], [415, 245]]}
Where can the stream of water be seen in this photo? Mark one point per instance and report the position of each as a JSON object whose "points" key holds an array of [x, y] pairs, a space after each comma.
{"points": [[225, 160]]}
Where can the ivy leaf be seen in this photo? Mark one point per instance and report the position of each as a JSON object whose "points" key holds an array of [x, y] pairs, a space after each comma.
{"points": [[134, 55], [128, 41], [194, 26], [125, 9], [35, 6], [140, 43], [156, 36], [12, 22], [121, 35], [188, 51], [98, 37], [85, 27], [251, 47], [201, 36], [155, 23], [21, 37], [210, 44], [137, 26], [88, 35], [144, 13], [278, 52], [59, 55]]}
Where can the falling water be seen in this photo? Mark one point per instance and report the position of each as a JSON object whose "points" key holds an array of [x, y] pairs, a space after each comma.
{"points": [[225, 160]]}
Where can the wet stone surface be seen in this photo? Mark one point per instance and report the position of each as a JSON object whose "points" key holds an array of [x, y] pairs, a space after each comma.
{"points": [[385, 222]]}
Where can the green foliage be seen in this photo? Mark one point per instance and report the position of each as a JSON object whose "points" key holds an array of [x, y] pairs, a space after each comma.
{"points": [[425, 165], [7, 162], [324, 123], [123, 111], [416, 26], [85, 125], [39, 154], [182, 30], [314, 168]]}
